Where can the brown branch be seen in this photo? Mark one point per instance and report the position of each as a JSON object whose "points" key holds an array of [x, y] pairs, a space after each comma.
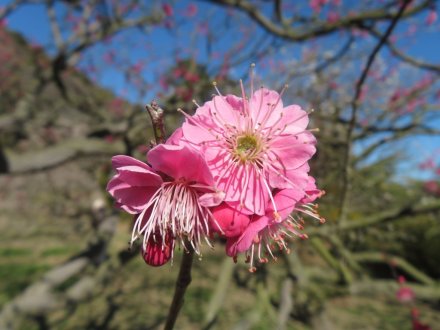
{"points": [[399, 54], [326, 63], [320, 28], [183, 280], [400, 133], [343, 204], [156, 116], [59, 154], [391, 215], [11, 6], [430, 293], [396, 262], [54, 26]]}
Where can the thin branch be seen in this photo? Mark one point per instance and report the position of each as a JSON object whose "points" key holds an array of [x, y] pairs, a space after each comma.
{"points": [[399, 54], [326, 63], [59, 154], [54, 26], [157, 120], [354, 105], [391, 215], [397, 262], [430, 293], [320, 28], [183, 280]]}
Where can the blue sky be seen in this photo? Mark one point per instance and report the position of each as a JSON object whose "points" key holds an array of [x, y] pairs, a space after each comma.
{"points": [[31, 21]]}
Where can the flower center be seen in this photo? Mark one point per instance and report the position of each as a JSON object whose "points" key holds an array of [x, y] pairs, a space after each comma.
{"points": [[246, 147]]}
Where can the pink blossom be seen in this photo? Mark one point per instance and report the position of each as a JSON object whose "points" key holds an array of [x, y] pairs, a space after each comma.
{"points": [[315, 5], [266, 234], [417, 325], [432, 17], [191, 10], [229, 222], [252, 147], [427, 164], [432, 187], [405, 294], [168, 199], [167, 9], [163, 83], [332, 17]]}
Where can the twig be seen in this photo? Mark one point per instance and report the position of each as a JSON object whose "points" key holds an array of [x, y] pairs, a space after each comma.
{"points": [[343, 271], [320, 28], [354, 105], [156, 116], [388, 288], [183, 280], [395, 261], [408, 59]]}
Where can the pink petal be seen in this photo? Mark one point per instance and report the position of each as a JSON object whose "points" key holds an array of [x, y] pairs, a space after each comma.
{"points": [[122, 160], [296, 178], [196, 129], [230, 222], [294, 151], [312, 191], [223, 113], [212, 199], [131, 199], [138, 176], [244, 242], [285, 201], [266, 107], [295, 120], [176, 137], [157, 252], [180, 162], [235, 102], [244, 187]]}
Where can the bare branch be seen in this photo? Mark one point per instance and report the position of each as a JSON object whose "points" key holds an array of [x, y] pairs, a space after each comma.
{"points": [[319, 28], [354, 106], [391, 215], [408, 59], [397, 262], [59, 154], [54, 26]]}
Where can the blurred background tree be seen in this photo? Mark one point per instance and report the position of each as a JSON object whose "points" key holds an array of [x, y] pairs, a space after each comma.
{"points": [[75, 78]]}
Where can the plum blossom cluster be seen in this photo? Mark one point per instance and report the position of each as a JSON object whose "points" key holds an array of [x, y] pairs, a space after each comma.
{"points": [[238, 168]]}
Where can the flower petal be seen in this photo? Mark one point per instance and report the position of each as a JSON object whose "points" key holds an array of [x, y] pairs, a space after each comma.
{"points": [[180, 162], [266, 107], [139, 176], [295, 120], [294, 150], [123, 160], [130, 198], [229, 222], [243, 243]]}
